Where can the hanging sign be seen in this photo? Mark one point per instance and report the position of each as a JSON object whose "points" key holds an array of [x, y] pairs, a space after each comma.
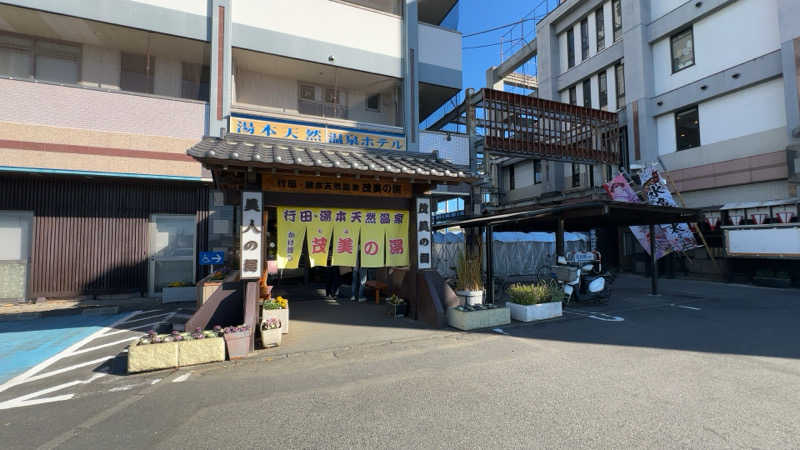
{"points": [[712, 219], [291, 232], [346, 231], [315, 133], [736, 220], [423, 210], [396, 238], [758, 218], [785, 216], [251, 236], [373, 236], [310, 184], [319, 236]]}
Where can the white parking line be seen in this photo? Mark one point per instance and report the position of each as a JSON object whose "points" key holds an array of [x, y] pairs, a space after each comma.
{"points": [[693, 308], [596, 315], [67, 369], [30, 399], [141, 327], [97, 347], [182, 378], [147, 317]]}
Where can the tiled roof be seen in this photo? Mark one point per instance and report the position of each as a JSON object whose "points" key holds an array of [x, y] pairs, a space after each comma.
{"points": [[283, 154]]}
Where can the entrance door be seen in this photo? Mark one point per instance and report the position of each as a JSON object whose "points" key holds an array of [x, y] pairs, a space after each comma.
{"points": [[15, 234], [172, 250]]}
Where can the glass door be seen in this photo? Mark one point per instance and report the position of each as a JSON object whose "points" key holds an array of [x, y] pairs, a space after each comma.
{"points": [[172, 250], [15, 234]]}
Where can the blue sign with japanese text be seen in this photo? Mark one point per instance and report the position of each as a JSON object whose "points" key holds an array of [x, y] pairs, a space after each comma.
{"points": [[211, 258]]}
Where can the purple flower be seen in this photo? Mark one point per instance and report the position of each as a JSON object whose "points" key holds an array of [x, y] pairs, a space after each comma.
{"points": [[217, 328]]}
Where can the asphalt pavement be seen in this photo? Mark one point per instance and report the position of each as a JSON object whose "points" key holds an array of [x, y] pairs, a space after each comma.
{"points": [[704, 366]]}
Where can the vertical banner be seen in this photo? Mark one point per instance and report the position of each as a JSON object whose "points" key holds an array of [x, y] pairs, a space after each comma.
{"points": [[396, 237], [291, 232], [319, 236], [345, 238], [655, 186], [372, 239], [251, 236], [621, 191], [423, 206]]}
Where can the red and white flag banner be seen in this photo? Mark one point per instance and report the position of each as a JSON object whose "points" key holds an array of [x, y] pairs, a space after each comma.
{"points": [[712, 221], [785, 216], [736, 220], [758, 218]]}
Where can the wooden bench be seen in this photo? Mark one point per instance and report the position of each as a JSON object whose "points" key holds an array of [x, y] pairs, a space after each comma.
{"points": [[377, 285]]}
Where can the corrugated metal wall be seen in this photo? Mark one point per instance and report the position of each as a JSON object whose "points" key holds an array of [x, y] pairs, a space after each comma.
{"points": [[91, 236]]}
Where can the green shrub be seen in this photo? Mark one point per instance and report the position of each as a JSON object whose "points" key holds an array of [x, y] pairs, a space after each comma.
{"points": [[533, 294]]}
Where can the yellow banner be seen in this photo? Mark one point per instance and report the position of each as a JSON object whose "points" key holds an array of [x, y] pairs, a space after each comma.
{"points": [[372, 240], [396, 238], [291, 232], [319, 236], [345, 238], [283, 129]]}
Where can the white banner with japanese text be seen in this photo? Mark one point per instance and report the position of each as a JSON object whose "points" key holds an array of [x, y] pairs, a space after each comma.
{"points": [[251, 236]]}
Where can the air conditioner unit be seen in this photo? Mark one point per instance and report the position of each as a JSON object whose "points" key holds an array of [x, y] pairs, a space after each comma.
{"points": [[793, 163]]}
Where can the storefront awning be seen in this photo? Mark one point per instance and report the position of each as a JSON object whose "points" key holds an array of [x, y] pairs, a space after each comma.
{"points": [[279, 154]]}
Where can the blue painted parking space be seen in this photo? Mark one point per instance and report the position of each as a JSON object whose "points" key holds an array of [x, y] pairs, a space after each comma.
{"points": [[25, 343]]}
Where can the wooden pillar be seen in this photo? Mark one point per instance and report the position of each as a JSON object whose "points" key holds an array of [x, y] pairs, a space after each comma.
{"points": [[653, 261], [560, 238], [489, 264]]}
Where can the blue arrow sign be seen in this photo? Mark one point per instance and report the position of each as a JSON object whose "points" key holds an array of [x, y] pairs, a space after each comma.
{"points": [[209, 258]]}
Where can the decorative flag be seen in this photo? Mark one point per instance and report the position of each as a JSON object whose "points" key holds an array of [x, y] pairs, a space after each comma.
{"points": [[319, 236], [291, 232], [654, 186], [372, 240], [712, 221], [345, 237], [785, 216], [621, 191], [396, 237], [758, 218], [736, 220]]}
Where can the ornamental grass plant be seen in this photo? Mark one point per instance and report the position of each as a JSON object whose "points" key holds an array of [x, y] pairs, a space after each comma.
{"points": [[533, 294], [468, 272]]}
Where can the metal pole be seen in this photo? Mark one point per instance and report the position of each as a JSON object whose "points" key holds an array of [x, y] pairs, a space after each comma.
{"points": [[489, 264], [653, 261], [560, 238]]}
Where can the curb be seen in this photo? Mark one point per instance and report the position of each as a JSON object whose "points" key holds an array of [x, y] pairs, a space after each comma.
{"points": [[79, 310]]}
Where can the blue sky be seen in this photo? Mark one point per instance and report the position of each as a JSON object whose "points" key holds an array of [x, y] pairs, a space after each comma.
{"points": [[479, 15]]}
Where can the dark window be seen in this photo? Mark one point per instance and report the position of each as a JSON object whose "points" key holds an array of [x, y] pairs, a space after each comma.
{"points": [[687, 128], [511, 183], [682, 48], [570, 47], [619, 72], [587, 93], [591, 175], [537, 171], [576, 175], [308, 92], [137, 73], [573, 95], [602, 81], [600, 25], [195, 82], [374, 102], [23, 57], [584, 39], [616, 15]]}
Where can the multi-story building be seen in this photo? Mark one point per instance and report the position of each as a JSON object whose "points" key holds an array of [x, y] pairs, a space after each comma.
{"points": [[708, 90], [100, 104]]}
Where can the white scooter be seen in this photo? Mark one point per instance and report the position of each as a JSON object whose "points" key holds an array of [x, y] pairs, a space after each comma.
{"points": [[583, 279]]}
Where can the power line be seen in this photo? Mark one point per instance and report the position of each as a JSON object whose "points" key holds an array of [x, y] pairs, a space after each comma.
{"points": [[489, 45], [497, 28]]}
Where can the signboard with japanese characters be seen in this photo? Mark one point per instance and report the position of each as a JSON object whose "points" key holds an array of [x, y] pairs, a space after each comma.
{"points": [[251, 235], [313, 132], [423, 232], [381, 236], [310, 184]]}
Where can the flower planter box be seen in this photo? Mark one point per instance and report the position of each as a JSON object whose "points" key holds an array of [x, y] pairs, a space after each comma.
{"points": [[271, 337], [199, 351], [178, 294], [280, 314], [471, 297], [237, 344], [142, 358], [471, 320], [397, 310], [529, 313]]}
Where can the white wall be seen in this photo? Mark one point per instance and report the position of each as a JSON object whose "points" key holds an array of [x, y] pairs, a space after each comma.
{"points": [[579, 93], [753, 110], [562, 50], [456, 149], [660, 7], [609, 22], [439, 46], [612, 88], [595, 92], [592, 34], [199, 7], [737, 33]]}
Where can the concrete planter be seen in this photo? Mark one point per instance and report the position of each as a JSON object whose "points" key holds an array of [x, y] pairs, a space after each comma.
{"points": [[471, 320], [178, 294], [237, 344], [199, 351], [142, 358], [529, 313], [280, 314], [271, 337], [471, 297]]}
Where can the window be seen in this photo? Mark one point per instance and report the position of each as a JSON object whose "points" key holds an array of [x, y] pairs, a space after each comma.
{"points": [[570, 47], [576, 175], [616, 15], [16, 56], [23, 57], [537, 171], [308, 92], [591, 175], [331, 95], [573, 95], [374, 102], [619, 72], [511, 181], [687, 128], [682, 50], [195, 83], [137, 73], [602, 81], [584, 39], [330, 104], [587, 93], [600, 25]]}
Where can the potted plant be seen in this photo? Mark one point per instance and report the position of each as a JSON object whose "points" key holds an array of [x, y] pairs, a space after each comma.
{"points": [[277, 308], [396, 306], [469, 285], [271, 332], [529, 302], [178, 291], [163, 351], [470, 317], [237, 340]]}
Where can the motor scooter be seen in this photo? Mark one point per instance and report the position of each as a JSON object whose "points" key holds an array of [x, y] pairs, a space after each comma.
{"points": [[583, 279]]}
